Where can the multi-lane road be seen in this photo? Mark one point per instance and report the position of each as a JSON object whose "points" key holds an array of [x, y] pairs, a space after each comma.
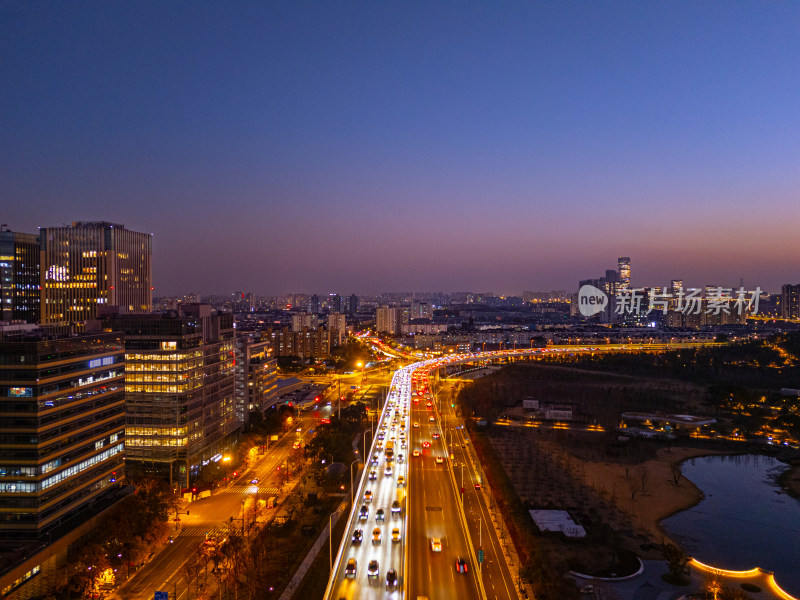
{"points": [[353, 578], [435, 553], [211, 516]]}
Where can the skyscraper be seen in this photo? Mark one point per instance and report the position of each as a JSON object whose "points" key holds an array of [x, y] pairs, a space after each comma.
{"points": [[62, 429], [89, 264], [19, 276], [314, 305], [790, 301], [624, 270]]}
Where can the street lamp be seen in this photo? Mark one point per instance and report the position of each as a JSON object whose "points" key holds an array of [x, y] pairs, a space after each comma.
{"points": [[364, 434]]}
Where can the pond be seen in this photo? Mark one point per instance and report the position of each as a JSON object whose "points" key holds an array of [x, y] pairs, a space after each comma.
{"points": [[745, 519]]}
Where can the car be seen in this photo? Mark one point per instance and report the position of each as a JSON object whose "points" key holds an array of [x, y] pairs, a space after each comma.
{"points": [[373, 570], [431, 418], [373, 474], [379, 515], [426, 444], [461, 565], [435, 435], [358, 535], [400, 458], [363, 514], [587, 589], [416, 424], [376, 535], [428, 404], [415, 453], [401, 481], [296, 445], [403, 444], [368, 496], [396, 534], [254, 481], [391, 579], [439, 460], [350, 569], [388, 470], [396, 507], [436, 544], [375, 459]]}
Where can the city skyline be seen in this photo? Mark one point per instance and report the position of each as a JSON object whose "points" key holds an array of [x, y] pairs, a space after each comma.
{"points": [[365, 148]]}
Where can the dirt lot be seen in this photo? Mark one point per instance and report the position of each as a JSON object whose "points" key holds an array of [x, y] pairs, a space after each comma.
{"points": [[630, 495]]}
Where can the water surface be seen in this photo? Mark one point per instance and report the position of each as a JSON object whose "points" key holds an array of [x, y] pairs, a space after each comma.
{"points": [[745, 520]]}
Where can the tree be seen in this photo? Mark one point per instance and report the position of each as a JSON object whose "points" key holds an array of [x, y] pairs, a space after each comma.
{"points": [[677, 562], [677, 472]]}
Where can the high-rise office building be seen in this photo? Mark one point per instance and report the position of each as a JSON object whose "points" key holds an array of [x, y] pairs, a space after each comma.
{"points": [[179, 390], [91, 264], [19, 276], [790, 301], [624, 272], [62, 430]]}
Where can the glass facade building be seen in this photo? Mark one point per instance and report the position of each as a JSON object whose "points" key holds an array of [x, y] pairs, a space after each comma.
{"points": [[19, 277], [62, 422], [91, 264], [179, 390]]}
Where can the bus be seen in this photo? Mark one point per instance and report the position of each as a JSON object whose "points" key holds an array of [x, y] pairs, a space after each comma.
{"points": [[389, 450]]}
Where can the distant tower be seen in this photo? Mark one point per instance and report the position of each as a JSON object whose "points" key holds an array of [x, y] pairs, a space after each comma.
{"points": [[352, 304], [624, 269], [313, 305]]}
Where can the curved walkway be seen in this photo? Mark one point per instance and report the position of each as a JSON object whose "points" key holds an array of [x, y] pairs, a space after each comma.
{"points": [[648, 585]]}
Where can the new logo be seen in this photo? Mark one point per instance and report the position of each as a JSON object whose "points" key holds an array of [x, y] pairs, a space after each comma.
{"points": [[591, 300]]}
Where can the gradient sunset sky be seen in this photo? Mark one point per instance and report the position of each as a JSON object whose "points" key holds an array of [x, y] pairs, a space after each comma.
{"points": [[384, 146]]}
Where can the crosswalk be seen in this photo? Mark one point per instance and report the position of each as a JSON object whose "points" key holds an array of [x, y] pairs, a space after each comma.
{"points": [[202, 530], [264, 490]]}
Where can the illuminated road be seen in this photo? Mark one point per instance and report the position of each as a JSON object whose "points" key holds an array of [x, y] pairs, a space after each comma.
{"points": [[385, 490], [431, 503], [211, 516], [433, 513]]}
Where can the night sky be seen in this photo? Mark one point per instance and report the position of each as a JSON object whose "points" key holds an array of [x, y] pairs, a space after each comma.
{"points": [[389, 146]]}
